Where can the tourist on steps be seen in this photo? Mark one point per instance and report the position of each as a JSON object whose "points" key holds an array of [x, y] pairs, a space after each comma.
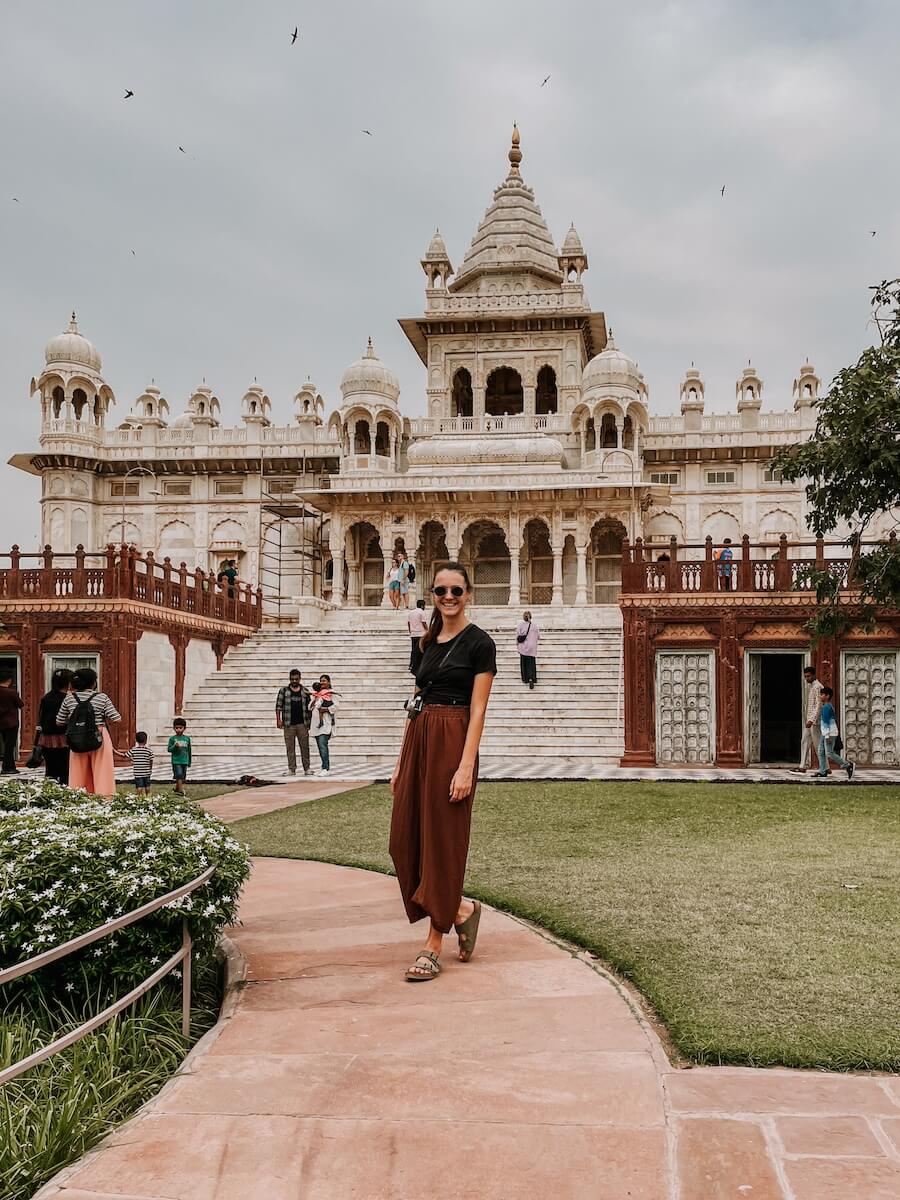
{"points": [[322, 703], [433, 784], [292, 716], [417, 624], [86, 713], [54, 746], [528, 634]]}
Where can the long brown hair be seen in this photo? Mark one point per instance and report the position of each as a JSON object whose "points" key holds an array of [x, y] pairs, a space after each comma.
{"points": [[436, 624]]}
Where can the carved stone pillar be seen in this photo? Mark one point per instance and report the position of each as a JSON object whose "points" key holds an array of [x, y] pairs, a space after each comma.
{"points": [[619, 431], [640, 748], [557, 599], [729, 739], [514, 589], [178, 642], [337, 577], [529, 392], [354, 583], [581, 596]]}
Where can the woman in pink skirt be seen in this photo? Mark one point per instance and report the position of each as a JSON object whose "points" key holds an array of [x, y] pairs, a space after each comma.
{"points": [[91, 769]]}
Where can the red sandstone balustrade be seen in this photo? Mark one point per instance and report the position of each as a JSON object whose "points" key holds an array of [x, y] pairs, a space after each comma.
{"points": [[123, 573], [691, 567]]}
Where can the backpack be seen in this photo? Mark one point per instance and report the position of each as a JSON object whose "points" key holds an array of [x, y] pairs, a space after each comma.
{"points": [[411, 574], [82, 732]]}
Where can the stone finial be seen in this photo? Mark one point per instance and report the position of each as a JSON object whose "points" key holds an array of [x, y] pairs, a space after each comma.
{"points": [[370, 350], [73, 324], [515, 154]]}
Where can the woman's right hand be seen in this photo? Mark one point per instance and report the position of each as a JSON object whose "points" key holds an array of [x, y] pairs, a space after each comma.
{"points": [[394, 779]]}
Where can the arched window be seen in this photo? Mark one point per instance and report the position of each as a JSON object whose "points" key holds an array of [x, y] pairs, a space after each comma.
{"points": [[504, 395], [572, 277], [807, 389], [545, 400], [382, 439], [59, 399], [79, 400], [461, 395], [201, 408], [608, 438], [590, 435], [362, 438], [149, 408]]}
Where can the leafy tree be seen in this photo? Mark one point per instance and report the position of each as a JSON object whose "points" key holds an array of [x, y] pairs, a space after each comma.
{"points": [[853, 468]]}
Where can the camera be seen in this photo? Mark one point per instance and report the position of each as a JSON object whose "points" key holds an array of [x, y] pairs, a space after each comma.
{"points": [[414, 705]]}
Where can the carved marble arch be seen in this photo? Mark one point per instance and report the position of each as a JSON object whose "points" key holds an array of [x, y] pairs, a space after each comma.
{"points": [[774, 523], [605, 560], [639, 415], [581, 414], [461, 394], [607, 432], [484, 551], [360, 435], [546, 399], [466, 521], [504, 394], [537, 562], [431, 552]]}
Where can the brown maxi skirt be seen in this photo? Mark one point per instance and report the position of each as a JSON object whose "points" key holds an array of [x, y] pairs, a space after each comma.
{"points": [[429, 835]]}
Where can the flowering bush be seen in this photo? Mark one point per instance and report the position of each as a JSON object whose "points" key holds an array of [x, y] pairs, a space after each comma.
{"points": [[70, 862]]}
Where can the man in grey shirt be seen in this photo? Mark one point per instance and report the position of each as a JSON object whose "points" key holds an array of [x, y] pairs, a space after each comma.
{"points": [[292, 716]]}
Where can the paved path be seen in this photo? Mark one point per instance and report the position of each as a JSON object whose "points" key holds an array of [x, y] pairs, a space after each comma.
{"points": [[526, 1073]]}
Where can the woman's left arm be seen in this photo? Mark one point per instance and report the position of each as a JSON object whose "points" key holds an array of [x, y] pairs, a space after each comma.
{"points": [[462, 782]]}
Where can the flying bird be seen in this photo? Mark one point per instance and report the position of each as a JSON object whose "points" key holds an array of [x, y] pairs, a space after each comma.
{"points": [[545, 81], [16, 199], [368, 131], [294, 34], [182, 149], [134, 254], [128, 95], [874, 231], [723, 189]]}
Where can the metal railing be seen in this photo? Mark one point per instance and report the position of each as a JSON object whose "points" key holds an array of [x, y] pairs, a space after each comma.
{"points": [[183, 955]]}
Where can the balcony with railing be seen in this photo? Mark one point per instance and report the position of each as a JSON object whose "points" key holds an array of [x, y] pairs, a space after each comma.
{"points": [[518, 423], [756, 567], [120, 573]]}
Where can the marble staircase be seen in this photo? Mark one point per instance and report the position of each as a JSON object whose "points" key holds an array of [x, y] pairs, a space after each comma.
{"points": [[574, 713]]}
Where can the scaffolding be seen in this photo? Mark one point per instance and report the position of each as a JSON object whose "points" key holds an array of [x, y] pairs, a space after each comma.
{"points": [[291, 561]]}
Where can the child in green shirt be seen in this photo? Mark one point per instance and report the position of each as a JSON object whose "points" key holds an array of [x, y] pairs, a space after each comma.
{"points": [[180, 750]]}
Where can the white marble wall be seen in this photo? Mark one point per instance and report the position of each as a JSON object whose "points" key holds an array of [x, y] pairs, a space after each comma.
{"points": [[199, 664], [155, 686]]}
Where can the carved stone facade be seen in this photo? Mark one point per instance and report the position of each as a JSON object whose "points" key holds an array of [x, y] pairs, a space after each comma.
{"points": [[532, 415]]}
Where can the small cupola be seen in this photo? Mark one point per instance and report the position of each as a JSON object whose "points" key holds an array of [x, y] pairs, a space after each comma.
{"points": [[806, 387], [204, 406], [693, 391], [256, 407], [436, 263], [573, 261], [309, 407], [748, 390], [150, 409]]}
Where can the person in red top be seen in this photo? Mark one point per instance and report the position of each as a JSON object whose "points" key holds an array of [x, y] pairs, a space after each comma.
{"points": [[10, 703]]}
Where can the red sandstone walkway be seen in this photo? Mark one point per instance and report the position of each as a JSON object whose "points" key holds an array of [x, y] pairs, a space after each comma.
{"points": [[523, 1074]]}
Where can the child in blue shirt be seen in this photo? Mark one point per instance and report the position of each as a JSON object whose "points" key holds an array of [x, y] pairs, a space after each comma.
{"points": [[829, 733]]}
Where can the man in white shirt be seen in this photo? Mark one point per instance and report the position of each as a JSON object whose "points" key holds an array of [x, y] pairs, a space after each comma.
{"points": [[809, 742], [417, 623]]}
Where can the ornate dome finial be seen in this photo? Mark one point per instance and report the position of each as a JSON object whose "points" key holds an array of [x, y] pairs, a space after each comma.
{"points": [[73, 324], [515, 154], [610, 342], [370, 350]]}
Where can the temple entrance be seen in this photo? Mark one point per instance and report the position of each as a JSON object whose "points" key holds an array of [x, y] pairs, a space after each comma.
{"points": [[432, 553], [485, 552], [365, 566], [774, 706]]}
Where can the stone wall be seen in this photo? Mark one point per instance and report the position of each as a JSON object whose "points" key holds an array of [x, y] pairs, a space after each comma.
{"points": [[155, 683], [199, 663]]}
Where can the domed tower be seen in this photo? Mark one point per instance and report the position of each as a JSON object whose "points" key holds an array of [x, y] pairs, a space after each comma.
{"points": [[436, 264], [368, 421], [612, 414], [71, 387], [202, 410], [256, 407]]}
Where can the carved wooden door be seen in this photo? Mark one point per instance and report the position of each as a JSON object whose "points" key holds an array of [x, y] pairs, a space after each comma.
{"points": [[754, 708]]}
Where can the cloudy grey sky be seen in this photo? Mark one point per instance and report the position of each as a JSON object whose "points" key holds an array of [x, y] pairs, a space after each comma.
{"points": [[285, 236]]}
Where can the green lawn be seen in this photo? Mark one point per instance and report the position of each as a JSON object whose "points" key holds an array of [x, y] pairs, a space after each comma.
{"points": [[194, 791], [762, 922]]}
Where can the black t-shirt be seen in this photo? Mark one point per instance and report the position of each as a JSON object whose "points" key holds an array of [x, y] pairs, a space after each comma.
{"points": [[453, 684], [298, 707]]}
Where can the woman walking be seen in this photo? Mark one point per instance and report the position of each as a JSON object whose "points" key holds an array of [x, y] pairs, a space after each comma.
{"points": [[91, 757], [53, 744], [528, 635], [322, 703], [433, 784]]}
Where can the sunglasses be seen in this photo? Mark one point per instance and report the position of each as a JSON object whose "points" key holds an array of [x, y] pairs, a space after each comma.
{"points": [[456, 590]]}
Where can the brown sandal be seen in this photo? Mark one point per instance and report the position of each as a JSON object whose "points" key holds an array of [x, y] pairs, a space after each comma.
{"points": [[467, 932], [430, 968]]}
